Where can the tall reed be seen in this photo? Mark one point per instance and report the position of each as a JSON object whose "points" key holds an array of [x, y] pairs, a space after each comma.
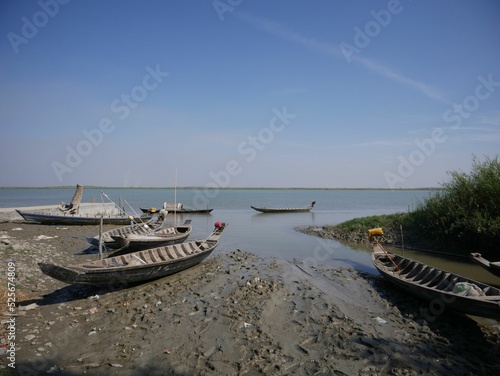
{"points": [[466, 214]]}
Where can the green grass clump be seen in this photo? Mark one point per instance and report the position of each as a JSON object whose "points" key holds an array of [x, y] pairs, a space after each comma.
{"points": [[461, 218], [364, 224], [466, 214]]}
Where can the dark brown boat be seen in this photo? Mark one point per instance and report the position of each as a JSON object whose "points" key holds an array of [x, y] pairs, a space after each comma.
{"points": [[143, 236], [157, 238], [136, 228], [264, 209], [179, 208], [452, 291], [492, 266], [137, 266]]}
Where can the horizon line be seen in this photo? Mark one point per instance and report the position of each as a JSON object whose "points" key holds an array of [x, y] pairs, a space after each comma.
{"points": [[222, 188]]}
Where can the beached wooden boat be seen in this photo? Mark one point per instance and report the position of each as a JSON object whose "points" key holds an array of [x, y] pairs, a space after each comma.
{"points": [[137, 266], [439, 287], [263, 209], [71, 219], [492, 266], [148, 228], [164, 235]]}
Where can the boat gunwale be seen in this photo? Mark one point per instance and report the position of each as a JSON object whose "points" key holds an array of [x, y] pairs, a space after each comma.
{"points": [[108, 268], [444, 276]]}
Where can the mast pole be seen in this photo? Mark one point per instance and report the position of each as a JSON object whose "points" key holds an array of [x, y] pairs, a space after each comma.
{"points": [[175, 198]]}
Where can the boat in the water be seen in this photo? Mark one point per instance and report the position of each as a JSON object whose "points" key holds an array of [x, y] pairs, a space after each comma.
{"points": [[138, 266], [492, 266], [164, 232], [72, 219], [264, 209], [175, 209], [452, 291]]}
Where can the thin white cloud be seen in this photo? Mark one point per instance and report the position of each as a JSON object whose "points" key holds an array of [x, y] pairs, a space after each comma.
{"points": [[381, 143], [333, 50], [428, 90], [493, 119]]}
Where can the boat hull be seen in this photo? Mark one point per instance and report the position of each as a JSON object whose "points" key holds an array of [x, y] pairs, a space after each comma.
{"points": [[70, 219], [142, 242], [136, 267], [107, 236], [281, 210], [180, 211], [263, 209], [119, 277], [436, 286], [492, 267], [138, 237]]}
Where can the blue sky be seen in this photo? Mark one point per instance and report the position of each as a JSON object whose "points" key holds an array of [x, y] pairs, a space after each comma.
{"points": [[240, 93]]}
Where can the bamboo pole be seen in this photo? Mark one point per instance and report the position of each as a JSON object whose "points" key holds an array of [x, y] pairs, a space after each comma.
{"points": [[100, 238]]}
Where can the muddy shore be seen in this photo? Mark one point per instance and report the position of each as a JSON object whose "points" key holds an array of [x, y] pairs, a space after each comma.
{"points": [[234, 314]]}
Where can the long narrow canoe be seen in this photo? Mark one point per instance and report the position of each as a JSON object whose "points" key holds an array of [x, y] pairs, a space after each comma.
{"points": [[439, 287], [137, 266], [136, 228], [70, 219], [264, 209], [143, 235], [165, 235], [492, 266], [177, 210]]}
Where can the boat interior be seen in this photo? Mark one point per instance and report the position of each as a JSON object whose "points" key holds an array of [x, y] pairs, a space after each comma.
{"points": [[154, 255], [430, 277]]}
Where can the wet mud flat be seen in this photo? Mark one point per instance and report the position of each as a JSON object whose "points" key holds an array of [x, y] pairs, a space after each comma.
{"points": [[234, 314]]}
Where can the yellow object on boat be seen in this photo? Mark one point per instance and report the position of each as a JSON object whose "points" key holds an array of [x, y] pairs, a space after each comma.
{"points": [[375, 231], [152, 210]]}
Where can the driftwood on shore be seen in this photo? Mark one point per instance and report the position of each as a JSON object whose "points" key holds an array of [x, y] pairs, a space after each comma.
{"points": [[74, 205]]}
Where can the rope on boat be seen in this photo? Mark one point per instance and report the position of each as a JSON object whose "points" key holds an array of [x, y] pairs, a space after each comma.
{"points": [[372, 234], [123, 211], [102, 200], [387, 254]]}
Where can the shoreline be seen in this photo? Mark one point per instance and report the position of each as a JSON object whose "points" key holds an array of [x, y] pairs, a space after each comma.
{"points": [[388, 239], [240, 188], [236, 313]]}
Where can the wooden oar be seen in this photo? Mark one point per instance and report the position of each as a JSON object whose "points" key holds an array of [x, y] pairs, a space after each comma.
{"points": [[373, 233], [387, 254]]}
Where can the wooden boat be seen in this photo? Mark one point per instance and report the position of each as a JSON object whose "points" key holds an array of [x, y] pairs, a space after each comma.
{"points": [[164, 235], [179, 209], [137, 266], [492, 266], [283, 210], [151, 227], [452, 291], [71, 219]]}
